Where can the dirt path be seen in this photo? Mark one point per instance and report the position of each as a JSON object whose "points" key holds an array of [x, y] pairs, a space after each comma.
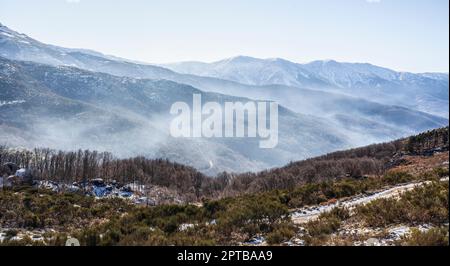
{"points": [[306, 214]]}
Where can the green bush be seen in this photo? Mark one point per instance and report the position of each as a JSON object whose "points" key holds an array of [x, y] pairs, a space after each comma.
{"points": [[432, 237], [441, 172], [280, 234], [426, 204], [328, 222], [397, 177]]}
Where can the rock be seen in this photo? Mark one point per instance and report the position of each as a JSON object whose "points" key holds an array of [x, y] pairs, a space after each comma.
{"points": [[21, 172], [297, 242], [144, 201], [8, 169], [184, 227], [11, 175], [372, 242], [125, 194], [12, 181], [73, 188], [50, 185], [98, 182], [256, 241], [101, 191], [25, 176], [424, 227], [126, 189], [398, 232]]}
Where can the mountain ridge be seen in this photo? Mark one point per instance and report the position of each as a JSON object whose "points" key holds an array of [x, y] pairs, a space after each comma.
{"points": [[54, 112], [322, 120], [424, 92], [360, 79]]}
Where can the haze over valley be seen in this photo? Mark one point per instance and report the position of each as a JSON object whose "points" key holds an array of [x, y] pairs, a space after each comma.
{"points": [[73, 99]]}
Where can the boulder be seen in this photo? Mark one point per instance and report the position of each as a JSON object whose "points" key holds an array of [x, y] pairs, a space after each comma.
{"points": [[8, 169], [98, 182], [12, 181], [372, 242], [24, 176], [13, 176]]}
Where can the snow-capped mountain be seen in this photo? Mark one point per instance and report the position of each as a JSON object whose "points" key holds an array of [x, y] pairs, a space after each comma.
{"points": [[69, 108], [271, 71], [255, 71], [18, 46], [251, 71], [426, 92], [74, 98]]}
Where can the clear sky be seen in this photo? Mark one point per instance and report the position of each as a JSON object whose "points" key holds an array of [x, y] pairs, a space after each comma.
{"points": [[406, 35]]}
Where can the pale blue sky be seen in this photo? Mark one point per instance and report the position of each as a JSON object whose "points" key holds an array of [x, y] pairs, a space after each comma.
{"points": [[407, 35]]}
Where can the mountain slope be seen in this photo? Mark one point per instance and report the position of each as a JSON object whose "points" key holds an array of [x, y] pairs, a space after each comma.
{"points": [[70, 108], [335, 106], [92, 104], [427, 92]]}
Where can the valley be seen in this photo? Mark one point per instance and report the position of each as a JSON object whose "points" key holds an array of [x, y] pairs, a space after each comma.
{"points": [[67, 99], [347, 154], [406, 203]]}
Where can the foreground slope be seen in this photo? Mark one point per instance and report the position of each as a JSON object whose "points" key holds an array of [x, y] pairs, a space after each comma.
{"points": [[417, 217]]}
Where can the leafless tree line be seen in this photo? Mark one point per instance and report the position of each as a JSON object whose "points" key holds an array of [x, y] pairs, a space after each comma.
{"points": [[81, 166]]}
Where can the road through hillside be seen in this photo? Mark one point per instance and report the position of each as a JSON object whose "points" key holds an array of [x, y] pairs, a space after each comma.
{"points": [[306, 214]]}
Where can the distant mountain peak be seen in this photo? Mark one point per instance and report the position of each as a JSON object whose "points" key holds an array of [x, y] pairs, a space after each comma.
{"points": [[426, 92], [329, 61], [239, 59], [5, 28]]}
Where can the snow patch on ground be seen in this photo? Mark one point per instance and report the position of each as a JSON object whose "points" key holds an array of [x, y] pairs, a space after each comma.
{"points": [[307, 214], [3, 103]]}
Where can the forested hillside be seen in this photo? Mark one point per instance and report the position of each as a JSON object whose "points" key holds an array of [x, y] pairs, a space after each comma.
{"points": [[79, 166], [396, 194]]}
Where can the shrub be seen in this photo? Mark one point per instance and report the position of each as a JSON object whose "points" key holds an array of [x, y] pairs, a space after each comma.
{"points": [[382, 212], [11, 233], [432, 237], [397, 177], [427, 204], [252, 214], [328, 222], [441, 172], [282, 233], [89, 237]]}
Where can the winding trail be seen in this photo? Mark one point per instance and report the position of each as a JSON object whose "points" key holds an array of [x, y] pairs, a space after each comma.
{"points": [[306, 214]]}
